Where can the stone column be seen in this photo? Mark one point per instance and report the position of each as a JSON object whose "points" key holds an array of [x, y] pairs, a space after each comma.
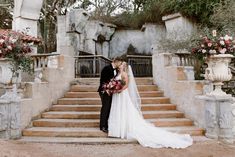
{"points": [[26, 15], [219, 117]]}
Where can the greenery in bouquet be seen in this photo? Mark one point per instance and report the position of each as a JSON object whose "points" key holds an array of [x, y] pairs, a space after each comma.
{"points": [[16, 47]]}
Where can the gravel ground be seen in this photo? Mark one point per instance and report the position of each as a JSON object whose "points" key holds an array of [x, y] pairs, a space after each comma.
{"points": [[199, 149]]}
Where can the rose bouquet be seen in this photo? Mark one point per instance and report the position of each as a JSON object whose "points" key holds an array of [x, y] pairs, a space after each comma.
{"points": [[113, 86]]}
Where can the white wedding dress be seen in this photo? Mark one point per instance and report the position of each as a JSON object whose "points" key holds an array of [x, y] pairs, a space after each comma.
{"points": [[126, 121]]}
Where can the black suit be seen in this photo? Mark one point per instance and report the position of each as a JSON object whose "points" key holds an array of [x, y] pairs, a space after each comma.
{"points": [[107, 74]]}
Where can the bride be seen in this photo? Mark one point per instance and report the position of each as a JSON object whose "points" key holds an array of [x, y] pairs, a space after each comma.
{"points": [[126, 120]]}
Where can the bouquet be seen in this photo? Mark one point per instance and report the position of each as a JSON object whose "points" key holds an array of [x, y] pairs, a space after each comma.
{"points": [[113, 86]]}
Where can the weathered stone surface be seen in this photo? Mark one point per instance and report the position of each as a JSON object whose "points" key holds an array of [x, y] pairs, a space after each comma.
{"points": [[141, 40], [178, 27], [26, 15], [219, 117], [10, 115]]}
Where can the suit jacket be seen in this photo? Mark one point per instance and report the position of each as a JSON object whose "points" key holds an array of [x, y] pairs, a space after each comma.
{"points": [[107, 74]]}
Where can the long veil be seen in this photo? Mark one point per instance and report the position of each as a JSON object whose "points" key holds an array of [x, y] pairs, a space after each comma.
{"points": [[133, 90]]}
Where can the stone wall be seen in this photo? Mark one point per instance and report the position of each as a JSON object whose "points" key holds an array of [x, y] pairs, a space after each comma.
{"points": [[39, 97], [142, 40], [177, 83]]}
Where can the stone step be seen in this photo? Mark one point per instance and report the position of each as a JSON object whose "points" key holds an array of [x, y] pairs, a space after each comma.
{"points": [[91, 101], [93, 88], [96, 115], [89, 141], [96, 94], [95, 132], [82, 108], [96, 81], [75, 140], [161, 122]]}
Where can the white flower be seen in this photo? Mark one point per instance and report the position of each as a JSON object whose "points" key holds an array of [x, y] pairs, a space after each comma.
{"points": [[226, 37], [209, 44], [13, 40], [0, 51], [214, 33], [223, 50], [212, 51], [1, 41], [9, 47], [202, 45], [221, 42], [203, 51]]}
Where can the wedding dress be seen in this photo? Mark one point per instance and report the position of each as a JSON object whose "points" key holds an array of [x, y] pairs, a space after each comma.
{"points": [[126, 121]]}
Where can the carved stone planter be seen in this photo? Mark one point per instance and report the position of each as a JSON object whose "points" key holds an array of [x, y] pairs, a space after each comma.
{"points": [[219, 118], [218, 71]]}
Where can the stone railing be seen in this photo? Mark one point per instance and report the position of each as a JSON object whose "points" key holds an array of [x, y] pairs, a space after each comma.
{"points": [[41, 61], [141, 65], [90, 65], [186, 59]]}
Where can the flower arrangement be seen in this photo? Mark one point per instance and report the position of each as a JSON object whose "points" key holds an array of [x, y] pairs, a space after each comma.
{"points": [[212, 45], [16, 46], [113, 86]]}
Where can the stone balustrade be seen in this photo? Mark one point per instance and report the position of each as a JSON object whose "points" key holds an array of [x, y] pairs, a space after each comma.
{"points": [[42, 61]]}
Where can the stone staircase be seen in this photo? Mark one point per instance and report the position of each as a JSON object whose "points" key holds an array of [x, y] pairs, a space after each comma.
{"points": [[75, 117]]}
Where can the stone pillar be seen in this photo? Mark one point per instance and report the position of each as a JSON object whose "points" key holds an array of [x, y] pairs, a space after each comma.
{"points": [[219, 117], [178, 27], [26, 15], [10, 115]]}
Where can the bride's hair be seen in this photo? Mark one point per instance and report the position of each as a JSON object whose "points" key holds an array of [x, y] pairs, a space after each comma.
{"points": [[125, 67]]}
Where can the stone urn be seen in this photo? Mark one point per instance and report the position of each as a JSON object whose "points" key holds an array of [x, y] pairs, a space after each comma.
{"points": [[218, 71]]}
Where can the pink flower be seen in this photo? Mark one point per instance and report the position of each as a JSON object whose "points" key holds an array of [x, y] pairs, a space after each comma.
{"points": [[209, 44]]}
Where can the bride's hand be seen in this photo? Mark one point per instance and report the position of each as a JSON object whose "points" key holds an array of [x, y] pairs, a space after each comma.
{"points": [[119, 91]]}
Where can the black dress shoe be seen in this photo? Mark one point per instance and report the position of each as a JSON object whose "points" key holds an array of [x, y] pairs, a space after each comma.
{"points": [[104, 130]]}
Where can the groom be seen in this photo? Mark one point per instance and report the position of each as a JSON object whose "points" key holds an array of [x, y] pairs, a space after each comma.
{"points": [[107, 73]]}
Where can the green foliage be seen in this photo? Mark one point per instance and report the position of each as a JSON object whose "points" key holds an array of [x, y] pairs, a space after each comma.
{"points": [[6, 7], [224, 17]]}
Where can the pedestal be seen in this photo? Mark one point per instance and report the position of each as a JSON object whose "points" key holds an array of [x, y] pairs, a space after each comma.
{"points": [[10, 114], [219, 117]]}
